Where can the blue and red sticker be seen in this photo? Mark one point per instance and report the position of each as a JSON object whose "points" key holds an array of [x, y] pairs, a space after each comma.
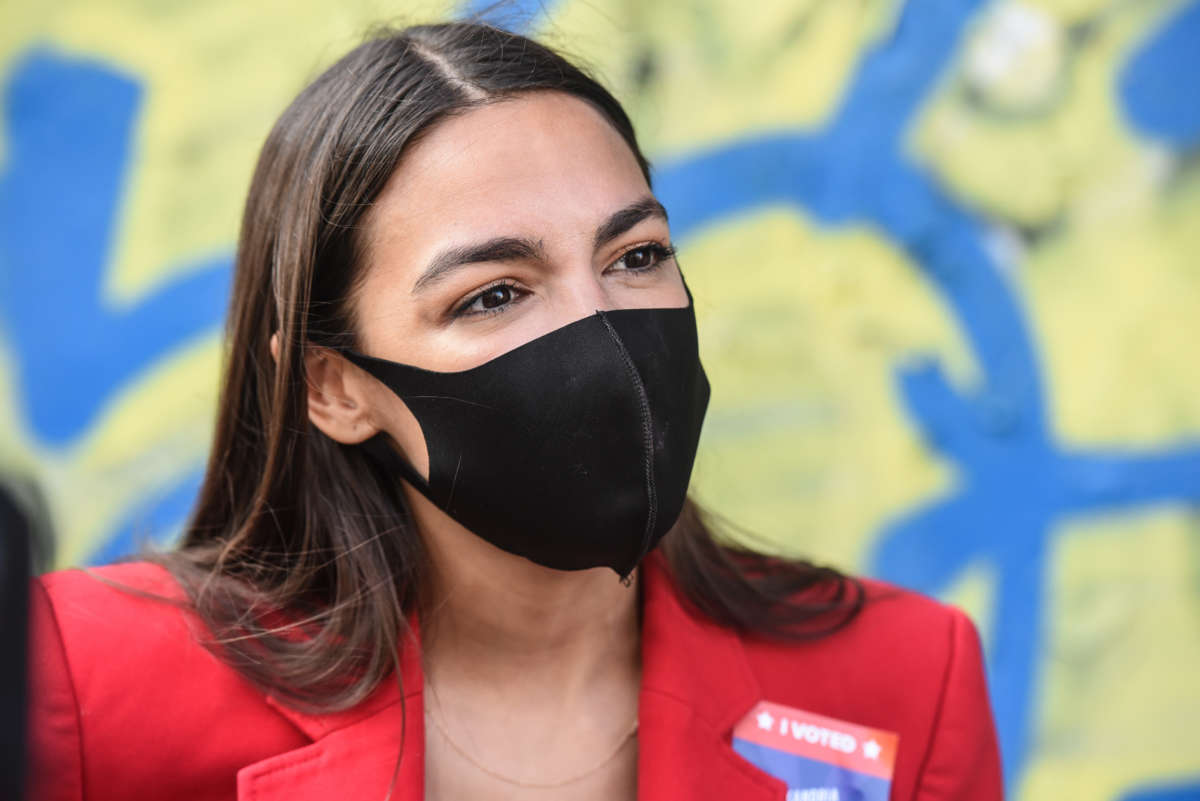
{"points": [[818, 758]]}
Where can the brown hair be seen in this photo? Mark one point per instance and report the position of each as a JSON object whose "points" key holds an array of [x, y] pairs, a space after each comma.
{"points": [[300, 555]]}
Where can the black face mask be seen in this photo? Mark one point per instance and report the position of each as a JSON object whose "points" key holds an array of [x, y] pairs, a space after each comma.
{"points": [[573, 450]]}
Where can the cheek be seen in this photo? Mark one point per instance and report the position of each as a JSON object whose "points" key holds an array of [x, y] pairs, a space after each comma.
{"points": [[665, 291], [677, 292]]}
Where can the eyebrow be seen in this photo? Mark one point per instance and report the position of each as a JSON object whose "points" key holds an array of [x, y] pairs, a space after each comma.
{"points": [[510, 248]]}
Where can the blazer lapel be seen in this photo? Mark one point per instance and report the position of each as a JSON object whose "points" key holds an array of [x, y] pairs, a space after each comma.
{"points": [[354, 753], [696, 685]]}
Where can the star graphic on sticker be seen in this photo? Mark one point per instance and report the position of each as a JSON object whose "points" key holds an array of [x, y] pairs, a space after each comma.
{"points": [[765, 721], [871, 749]]}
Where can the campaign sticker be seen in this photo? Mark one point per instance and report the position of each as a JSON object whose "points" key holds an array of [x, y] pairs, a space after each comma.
{"points": [[818, 758]]}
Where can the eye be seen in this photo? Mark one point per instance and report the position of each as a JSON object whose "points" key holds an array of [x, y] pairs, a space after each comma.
{"points": [[645, 258], [496, 296], [491, 300]]}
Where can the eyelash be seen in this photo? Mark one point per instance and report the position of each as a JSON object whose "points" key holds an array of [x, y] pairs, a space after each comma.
{"points": [[661, 253]]}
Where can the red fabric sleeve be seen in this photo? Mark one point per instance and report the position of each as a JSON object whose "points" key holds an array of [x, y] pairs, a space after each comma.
{"points": [[55, 747], [963, 761]]}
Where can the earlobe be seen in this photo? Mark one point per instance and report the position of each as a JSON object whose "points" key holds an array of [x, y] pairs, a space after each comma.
{"points": [[336, 398]]}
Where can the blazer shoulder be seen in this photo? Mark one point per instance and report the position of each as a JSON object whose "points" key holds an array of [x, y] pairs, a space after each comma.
{"points": [[924, 623], [906, 663], [113, 622], [108, 618], [121, 682], [911, 634], [129, 588]]}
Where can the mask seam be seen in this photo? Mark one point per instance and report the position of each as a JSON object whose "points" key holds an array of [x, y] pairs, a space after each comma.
{"points": [[647, 439]]}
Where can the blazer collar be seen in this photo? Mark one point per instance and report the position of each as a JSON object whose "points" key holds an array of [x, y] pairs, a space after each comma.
{"points": [[696, 684], [358, 753]]}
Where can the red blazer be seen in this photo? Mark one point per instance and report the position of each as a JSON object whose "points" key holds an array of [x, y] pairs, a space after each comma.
{"points": [[127, 705]]}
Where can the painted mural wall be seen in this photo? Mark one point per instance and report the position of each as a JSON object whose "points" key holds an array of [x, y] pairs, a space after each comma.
{"points": [[946, 259]]}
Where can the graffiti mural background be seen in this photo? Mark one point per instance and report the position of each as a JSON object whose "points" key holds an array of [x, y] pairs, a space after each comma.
{"points": [[946, 256]]}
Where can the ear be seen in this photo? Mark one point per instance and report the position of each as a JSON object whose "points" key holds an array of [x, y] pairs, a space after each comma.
{"points": [[337, 395]]}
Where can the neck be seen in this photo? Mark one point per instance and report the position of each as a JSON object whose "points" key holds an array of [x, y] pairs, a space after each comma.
{"points": [[499, 627]]}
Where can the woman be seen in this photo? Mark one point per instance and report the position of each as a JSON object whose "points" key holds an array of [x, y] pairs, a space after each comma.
{"points": [[462, 397]]}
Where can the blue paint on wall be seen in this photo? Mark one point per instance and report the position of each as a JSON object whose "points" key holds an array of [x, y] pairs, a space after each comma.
{"points": [[520, 16], [69, 124], [1015, 481], [154, 522], [1160, 88], [1173, 792]]}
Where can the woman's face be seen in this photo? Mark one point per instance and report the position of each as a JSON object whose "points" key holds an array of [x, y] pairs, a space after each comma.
{"points": [[500, 225]]}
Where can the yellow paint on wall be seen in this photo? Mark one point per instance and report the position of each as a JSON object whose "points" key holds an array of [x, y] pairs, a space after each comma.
{"points": [[973, 591], [1073, 12], [1114, 301], [17, 455], [1030, 166], [718, 70], [801, 329], [1119, 703], [152, 434], [1106, 273], [214, 75]]}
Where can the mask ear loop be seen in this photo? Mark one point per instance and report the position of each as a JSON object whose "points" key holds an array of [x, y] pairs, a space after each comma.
{"points": [[381, 450]]}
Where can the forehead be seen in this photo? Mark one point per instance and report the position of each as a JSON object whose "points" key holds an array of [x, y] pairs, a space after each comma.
{"points": [[539, 164]]}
